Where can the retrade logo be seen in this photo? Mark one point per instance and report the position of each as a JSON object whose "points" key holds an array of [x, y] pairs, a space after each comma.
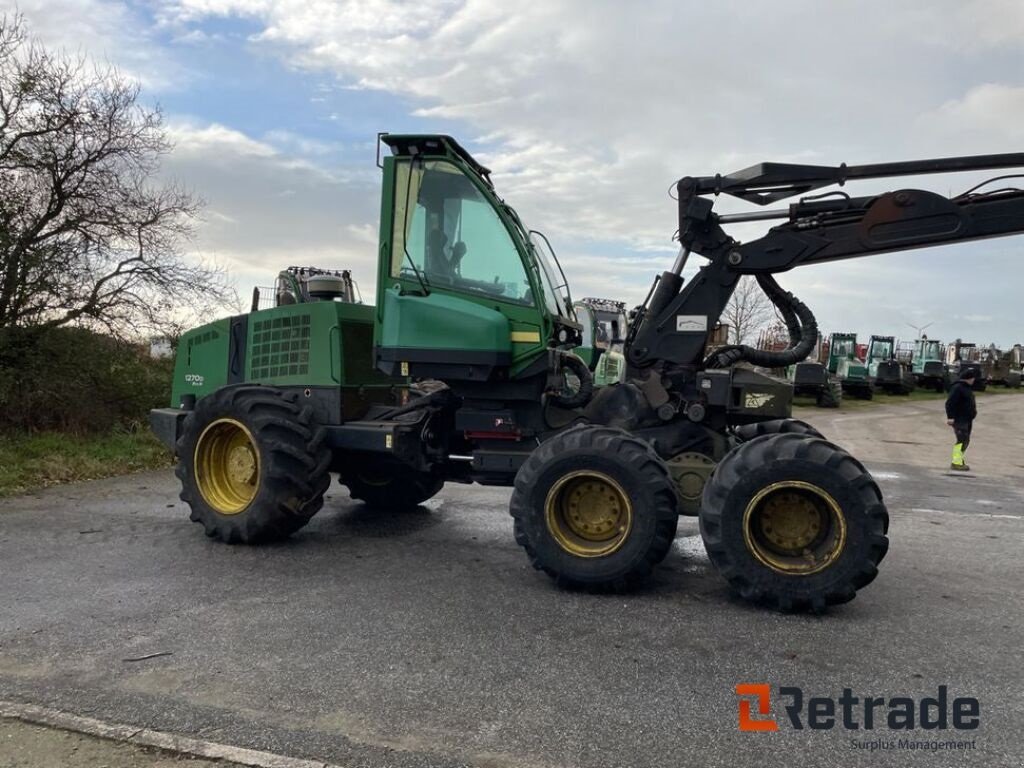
{"points": [[762, 693], [848, 712]]}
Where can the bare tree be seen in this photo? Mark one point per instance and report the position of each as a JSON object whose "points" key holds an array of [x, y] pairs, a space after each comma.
{"points": [[747, 311], [87, 234]]}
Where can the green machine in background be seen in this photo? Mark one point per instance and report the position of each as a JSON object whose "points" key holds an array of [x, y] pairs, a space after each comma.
{"points": [[927, 364], [846, 365], [885, 372], [605, 326]]}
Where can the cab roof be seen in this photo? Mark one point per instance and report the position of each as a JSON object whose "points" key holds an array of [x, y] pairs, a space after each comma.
{"points": [[411, 144]]}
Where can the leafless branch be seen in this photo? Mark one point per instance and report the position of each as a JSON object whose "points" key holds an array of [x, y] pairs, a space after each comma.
{"points": [[87, 234]]}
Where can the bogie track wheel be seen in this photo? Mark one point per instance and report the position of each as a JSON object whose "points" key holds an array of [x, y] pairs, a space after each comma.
{"points": [[595, 508], [794, 522], [252, 464]]}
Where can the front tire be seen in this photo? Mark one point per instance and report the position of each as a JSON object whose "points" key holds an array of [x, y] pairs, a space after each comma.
{"points": [[252, 464], [595, 507], [794, 522]]}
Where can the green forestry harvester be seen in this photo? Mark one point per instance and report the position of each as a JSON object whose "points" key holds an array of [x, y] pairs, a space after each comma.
{"points": [[928, 365], [469, 310], [847, 366], [885, 372], [603, 332]]}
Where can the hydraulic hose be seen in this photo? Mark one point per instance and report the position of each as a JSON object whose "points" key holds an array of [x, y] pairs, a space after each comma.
{"points": [[800, 324]]}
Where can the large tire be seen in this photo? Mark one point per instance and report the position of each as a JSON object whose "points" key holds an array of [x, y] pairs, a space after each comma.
{"points": [[389, 485], [830, 396], [252, 463], [579, 383], [907, 384], [595, 508], [747, 432], [808, 543]]}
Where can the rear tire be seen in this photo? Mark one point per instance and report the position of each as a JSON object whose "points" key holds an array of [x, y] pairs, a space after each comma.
{"points": [[253, 466], [595, 507], [747, 432], [389, 485], [794, 522]]}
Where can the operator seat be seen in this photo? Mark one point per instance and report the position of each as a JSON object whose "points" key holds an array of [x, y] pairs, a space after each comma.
{"points": [[437, 264]]}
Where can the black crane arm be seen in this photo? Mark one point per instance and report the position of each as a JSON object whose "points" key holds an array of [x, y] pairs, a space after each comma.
{"points": [[675, 322]]}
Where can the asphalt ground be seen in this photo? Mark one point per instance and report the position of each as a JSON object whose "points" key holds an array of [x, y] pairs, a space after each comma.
{"points": [[425, 639]]}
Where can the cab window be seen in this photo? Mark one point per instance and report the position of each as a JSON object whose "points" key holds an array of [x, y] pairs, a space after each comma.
{"points": [[448, 232]]}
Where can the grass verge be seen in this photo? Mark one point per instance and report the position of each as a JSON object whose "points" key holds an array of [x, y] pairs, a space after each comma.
{"points": [[32, 461]]}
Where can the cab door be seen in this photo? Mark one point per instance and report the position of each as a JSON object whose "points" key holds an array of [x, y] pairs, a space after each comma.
{"points": [[454, 297]]}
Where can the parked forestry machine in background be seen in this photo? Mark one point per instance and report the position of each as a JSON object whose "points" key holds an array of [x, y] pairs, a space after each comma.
{"points": [[928, 365], [885, 372], [603, 336], [847, 366], [961, 355], [266, 404], [1007, 369]]}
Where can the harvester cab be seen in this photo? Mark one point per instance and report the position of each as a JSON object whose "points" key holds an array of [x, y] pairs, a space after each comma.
{"points": [[928, 365], [473, 309], [466, 294], [604, 329], [885, 372]]}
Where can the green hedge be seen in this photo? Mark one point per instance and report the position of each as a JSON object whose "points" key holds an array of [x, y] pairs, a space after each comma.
{"points": [[77, 381]]}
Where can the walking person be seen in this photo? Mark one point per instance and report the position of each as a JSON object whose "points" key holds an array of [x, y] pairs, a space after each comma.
{"points": [[961, 410]]}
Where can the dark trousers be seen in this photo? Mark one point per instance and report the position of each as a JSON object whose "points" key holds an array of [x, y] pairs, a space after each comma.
{"points": [[962, 430]]}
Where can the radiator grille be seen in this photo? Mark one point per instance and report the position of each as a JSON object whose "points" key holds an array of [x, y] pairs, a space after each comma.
{"points": [[280, 347]]}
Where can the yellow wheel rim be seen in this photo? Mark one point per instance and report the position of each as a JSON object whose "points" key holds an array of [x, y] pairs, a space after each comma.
{"points": [[227, 466], [794, 528], [588, 514]]}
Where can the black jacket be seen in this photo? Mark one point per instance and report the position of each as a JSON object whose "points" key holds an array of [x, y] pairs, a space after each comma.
{"points": [[960, 404]]}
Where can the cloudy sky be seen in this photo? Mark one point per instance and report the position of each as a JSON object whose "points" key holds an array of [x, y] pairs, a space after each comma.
{"points": [[586, 111]]}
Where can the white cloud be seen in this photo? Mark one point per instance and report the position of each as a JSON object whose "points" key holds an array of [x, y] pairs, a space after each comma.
{"points": [[214, 139], [587, 110], [104, 31], [267, 210], [988, 115]]}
